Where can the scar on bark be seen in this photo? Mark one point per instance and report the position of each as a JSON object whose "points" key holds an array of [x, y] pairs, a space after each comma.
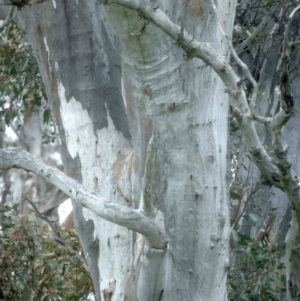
{"points": [[108, 292], [160, 295], [106, 296]]}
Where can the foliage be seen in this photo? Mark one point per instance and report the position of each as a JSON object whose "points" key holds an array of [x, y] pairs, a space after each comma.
{"points": [[258, 273], [21, 87], [21, 84], [35, 266]]}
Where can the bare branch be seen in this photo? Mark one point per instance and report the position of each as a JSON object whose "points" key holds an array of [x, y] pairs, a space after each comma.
{"points": [[287, 103], [286, 100], [288, 178], [259, 28], [115, 213], [288, 25], [242, 65], [294, 44], [261, 119], [43, 217], [248, 74], [238, 60]]}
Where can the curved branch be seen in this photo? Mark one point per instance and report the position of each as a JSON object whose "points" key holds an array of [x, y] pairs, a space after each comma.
{"points": [[205, 52], [278, 171], [115, 213], [184, 39]]}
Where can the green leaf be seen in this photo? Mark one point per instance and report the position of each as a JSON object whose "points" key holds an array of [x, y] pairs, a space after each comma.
{"points": [[3, 208], [10, 116], [235, 195], [233, 286], [46, 116], [244, 239]]}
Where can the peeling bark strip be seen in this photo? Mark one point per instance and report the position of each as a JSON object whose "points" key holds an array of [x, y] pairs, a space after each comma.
{"points": [[118, 214]]}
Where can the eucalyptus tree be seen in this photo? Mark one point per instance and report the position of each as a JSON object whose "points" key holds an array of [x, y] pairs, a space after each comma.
{"points": [[141, 93]]}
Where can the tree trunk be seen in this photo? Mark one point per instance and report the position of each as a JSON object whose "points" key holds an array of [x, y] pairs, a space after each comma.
{"points": [[145, 126]]}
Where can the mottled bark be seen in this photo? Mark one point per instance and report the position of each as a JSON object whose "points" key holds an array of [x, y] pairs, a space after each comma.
{"points": [[162, 148]]}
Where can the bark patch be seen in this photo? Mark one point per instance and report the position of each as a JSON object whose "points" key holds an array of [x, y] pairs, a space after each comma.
{"points": [[118, 168], [195, 8]]}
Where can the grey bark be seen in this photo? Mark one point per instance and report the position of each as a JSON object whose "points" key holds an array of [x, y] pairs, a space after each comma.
{"points": [[168, 97]]}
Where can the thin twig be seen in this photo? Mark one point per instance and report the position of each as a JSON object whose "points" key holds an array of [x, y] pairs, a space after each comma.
{"points": [[43, 217], [259, 28], [241, 64], [128, 200], [56, 232]]}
